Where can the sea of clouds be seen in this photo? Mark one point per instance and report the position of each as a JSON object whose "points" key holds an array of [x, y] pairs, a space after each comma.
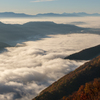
{"points": [[91, 22], [28, 68]]}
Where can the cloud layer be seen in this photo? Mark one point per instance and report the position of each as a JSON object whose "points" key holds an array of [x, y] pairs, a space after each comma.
{"points": [[26, 70], [90, 22]]}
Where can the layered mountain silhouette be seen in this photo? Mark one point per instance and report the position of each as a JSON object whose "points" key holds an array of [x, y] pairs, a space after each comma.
{"points": [[12, 14], [80, 14], [71, 82], [15, 33], [12, 34], [85, 54]]}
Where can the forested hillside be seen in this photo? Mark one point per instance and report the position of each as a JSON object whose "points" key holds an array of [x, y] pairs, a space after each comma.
{"points": [[85, 54], [89, 91], [72, 81]]}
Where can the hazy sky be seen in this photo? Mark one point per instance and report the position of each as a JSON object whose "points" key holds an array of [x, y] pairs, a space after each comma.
{"points": [[47, 6]]}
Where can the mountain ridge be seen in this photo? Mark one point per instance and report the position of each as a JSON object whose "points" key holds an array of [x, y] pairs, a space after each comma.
{"points": [[34, 30], [86, 54], [80, 14]]}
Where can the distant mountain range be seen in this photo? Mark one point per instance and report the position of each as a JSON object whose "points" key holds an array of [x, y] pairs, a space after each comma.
{"points": [[80, 14], [71, 82], [12, 14]]}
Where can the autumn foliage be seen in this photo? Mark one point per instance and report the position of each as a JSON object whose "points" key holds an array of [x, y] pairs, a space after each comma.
{"points": [[89, 91]]}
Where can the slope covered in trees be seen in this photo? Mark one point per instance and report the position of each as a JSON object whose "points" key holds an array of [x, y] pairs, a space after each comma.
{"points": [[89, 91], [85, 54], [72, 81]]}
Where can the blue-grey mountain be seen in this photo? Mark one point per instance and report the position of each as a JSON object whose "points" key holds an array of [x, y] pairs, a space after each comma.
{"points": [[80, 14]]}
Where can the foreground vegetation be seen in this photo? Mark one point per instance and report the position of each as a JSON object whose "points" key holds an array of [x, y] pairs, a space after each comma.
{"points": [[71, 82], [89, 91]]}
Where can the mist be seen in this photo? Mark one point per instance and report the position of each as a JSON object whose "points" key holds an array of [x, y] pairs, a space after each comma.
{"points": [[86, 22], [28, 69], [34, 52]]}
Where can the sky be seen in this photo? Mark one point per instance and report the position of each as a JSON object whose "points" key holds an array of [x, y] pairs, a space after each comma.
{"points": [[47, 6]]}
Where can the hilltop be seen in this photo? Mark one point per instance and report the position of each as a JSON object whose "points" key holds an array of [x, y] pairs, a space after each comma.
{"points": [[85, 54]]}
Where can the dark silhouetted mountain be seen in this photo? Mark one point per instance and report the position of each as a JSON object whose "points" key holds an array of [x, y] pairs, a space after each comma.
{"points": [[49, 15], [85, 54], [72, 81], [15, 33], [67, 14], [3, 45], [12, 14], [12, 34]]}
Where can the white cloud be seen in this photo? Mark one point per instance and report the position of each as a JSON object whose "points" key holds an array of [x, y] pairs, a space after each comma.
{"points": [[41, 0], [26, 70], [88, 22]]}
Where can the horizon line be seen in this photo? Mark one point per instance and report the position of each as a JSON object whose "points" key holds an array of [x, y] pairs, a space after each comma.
{"points": [[48, 13]]}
